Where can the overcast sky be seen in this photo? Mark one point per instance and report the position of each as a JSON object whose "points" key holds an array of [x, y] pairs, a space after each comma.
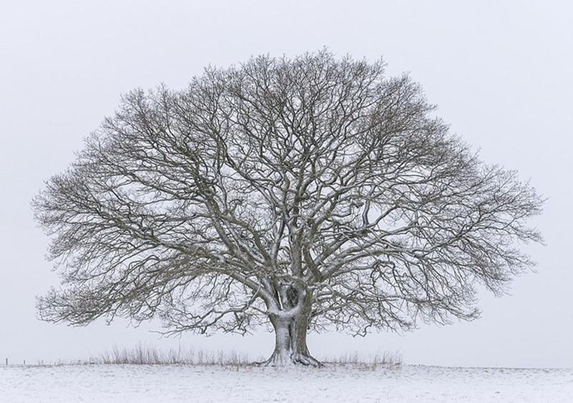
{"points": [[501, 73]]}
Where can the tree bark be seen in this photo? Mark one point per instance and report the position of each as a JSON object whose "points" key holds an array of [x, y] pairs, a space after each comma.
{"points": [[290, 337]]}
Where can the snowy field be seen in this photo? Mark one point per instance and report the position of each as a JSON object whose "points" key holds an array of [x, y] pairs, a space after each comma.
{"points": [[142, 384]]}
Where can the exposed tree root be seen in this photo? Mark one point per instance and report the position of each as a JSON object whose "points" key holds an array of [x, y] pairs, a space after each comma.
{"points": [[306, 360], [292, 360]]}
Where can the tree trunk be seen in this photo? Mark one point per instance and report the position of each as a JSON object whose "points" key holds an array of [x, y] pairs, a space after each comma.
{"points": [[290, 337]]}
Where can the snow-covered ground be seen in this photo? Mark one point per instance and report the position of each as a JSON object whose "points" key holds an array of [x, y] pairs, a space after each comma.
{"points": [[163, 384]]}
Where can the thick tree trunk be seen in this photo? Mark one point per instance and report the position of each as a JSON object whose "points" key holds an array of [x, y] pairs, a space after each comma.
{"points": [[290, 337]]}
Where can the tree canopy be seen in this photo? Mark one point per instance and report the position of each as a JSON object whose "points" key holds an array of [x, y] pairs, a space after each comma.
{"points": [[305, 193]]}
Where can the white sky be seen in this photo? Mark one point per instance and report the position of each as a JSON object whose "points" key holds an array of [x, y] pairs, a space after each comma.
{"points": [[500, 72]]}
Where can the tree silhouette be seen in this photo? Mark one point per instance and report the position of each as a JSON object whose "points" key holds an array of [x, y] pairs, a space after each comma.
{"points": [[308, 193]]}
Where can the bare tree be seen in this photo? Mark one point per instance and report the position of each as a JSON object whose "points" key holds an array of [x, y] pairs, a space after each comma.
{"points": [[308, 193]]}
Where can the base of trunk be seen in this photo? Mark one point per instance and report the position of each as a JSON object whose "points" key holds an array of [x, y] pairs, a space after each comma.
{"points": [[285, 359]]}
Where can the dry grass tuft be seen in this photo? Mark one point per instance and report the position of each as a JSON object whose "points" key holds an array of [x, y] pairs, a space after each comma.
{"points": [[147, 355]]}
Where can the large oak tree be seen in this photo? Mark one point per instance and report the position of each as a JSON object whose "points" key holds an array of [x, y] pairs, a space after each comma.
{"points": [[306, 193]]}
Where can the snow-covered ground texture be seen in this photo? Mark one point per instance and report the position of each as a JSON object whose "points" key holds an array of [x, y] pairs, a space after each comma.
{"points": [[163, 384]]}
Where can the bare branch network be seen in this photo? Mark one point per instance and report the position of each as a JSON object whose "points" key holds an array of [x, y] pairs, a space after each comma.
{"points": [[310, 193]]}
